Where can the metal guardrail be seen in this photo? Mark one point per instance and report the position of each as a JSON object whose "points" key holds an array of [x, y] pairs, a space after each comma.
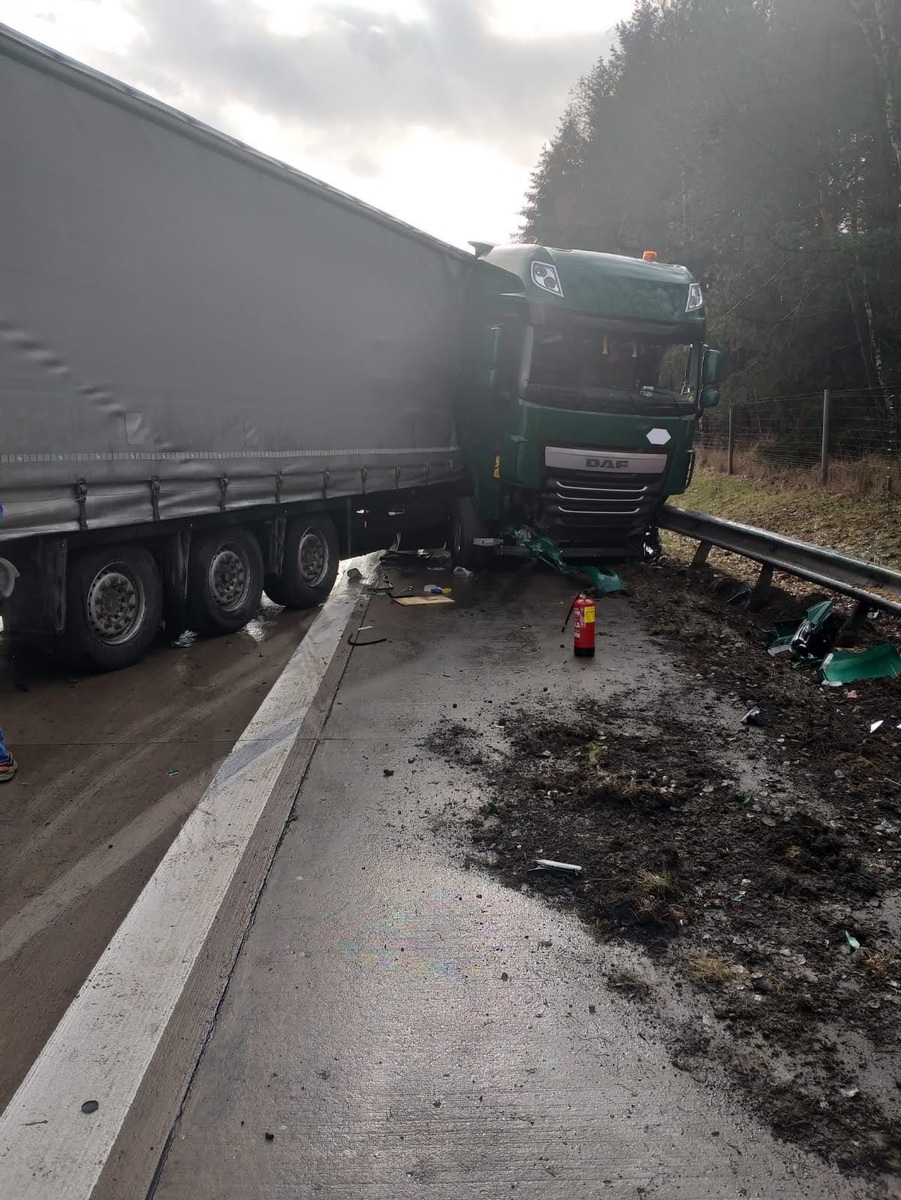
{"points": [[775, 552]]}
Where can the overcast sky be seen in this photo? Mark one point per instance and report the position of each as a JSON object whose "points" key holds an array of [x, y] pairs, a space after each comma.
{"points": [[434, 110]]}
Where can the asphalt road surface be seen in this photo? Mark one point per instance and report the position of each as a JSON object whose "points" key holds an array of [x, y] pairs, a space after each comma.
{"points": [[398, 1023], [110, 766]]}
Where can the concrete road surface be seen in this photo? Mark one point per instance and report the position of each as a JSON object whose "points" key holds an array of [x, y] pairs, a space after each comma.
{"points": [[401, 1026], [110, 766]]}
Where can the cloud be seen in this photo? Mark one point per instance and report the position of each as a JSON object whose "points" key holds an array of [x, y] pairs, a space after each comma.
{"points": [[355, 80]]}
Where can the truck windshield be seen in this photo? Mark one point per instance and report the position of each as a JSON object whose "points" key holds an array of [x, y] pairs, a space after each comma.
{"points": [[587, 359]]}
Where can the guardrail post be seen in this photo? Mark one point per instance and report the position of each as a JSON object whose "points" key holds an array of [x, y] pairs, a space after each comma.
{"points": [[824, 452], [730, 446], [761, 589]]}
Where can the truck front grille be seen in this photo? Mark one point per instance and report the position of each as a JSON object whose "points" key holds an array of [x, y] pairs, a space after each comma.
{"points": [[611, 514]]}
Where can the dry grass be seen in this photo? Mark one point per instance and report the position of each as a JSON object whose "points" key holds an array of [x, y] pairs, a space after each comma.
{"points": [[879, 965], [656, 883], [710, 972], [866, 527], [871, 476], [631, 983], [597, 753]]}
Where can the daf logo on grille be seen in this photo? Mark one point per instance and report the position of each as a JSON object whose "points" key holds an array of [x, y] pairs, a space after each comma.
{"points": [[606, 464]]}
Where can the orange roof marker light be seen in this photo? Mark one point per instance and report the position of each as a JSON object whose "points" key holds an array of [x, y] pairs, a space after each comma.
{"points": [[650, 256]]}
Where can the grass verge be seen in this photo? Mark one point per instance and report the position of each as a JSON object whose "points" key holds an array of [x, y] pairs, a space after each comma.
{"points": [[867, 527]]}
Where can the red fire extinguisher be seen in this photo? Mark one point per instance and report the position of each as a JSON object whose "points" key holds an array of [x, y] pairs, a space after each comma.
{"points": [[582, 610]]}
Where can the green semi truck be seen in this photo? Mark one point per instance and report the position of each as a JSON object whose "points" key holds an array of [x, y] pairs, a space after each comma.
{"points": [[584, 379], [219, 376]]}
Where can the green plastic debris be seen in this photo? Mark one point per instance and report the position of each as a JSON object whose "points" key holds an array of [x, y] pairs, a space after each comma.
{"points": [[602, 579], [809, 640], [852, 940], [782, 637], [846, 666]]}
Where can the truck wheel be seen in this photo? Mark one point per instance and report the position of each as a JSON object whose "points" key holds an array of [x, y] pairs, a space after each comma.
{"points": [[466, 524], [114, 606], [310, 564], [225, 581]]}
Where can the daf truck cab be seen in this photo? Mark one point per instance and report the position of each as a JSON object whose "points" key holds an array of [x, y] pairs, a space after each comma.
{"points": [[583, 382]]}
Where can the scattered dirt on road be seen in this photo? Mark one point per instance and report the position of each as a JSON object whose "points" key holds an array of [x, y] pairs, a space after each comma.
{"points": [[755, 870]]}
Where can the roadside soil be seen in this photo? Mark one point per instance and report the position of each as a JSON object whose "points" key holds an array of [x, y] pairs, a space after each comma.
{"points": [[754, 870]]}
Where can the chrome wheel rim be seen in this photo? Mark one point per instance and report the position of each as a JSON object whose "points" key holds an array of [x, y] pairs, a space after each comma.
{"points": [[116, 604], [312, 557], [228, 578]]}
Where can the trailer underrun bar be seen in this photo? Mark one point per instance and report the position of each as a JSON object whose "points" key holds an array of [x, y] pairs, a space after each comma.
{"points": [[775, 552]]}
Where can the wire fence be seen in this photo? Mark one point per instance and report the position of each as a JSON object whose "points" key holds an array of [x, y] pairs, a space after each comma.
{"points": [[843, 440]]}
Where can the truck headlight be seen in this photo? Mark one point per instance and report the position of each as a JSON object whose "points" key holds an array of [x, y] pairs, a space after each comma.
{"points": [[545, 276]]}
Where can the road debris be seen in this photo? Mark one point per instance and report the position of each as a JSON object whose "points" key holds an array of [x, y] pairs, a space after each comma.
{"points": [[353, 639], [603, 580], [755, 717], [422, 601], [665, 832], [811, 638], [562, 868], [847, 666]]}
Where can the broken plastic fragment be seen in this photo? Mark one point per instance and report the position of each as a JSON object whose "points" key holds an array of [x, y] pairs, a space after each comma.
{"points": [[755, 717], [849, 1090], [846, 666], [816, 633], [602, 579], [781, 638], [809, 640], [875, 725], [852, 940]]}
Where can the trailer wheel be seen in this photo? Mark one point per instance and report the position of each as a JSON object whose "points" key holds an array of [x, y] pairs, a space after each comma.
{"points": [[466, 524], [114, 607], [310, 563], [225, 581]]}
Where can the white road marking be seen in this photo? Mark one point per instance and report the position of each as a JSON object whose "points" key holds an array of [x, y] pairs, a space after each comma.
{"points": [[102, 1047]]}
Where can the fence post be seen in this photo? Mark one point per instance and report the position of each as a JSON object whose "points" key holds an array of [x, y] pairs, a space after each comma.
{"points": [[730, 447], [824, 452]]}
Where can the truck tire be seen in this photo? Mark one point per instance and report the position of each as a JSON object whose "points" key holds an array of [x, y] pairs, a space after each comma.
{"points": [[225, 581], [114, 607], [310, 563], [466, 524]]}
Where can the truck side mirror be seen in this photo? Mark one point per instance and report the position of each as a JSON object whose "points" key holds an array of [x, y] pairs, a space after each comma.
{"points": [[710, 370], [710, 397]]}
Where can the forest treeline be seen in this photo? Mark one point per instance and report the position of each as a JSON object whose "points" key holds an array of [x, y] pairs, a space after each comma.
{"points": [[759, 143]]}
